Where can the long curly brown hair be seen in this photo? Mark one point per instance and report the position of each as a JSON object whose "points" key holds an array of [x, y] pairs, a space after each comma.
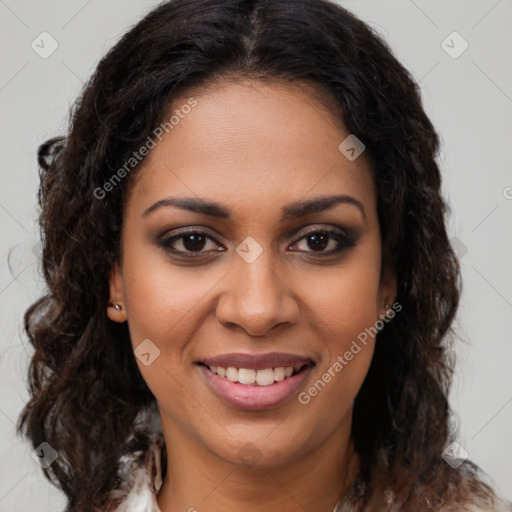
{"points": [[87, 393]]}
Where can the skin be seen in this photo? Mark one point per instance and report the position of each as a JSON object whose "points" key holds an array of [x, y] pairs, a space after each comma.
{"points": [[254, 148]]}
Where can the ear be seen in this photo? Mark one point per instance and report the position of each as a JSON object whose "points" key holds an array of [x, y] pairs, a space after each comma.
{"points": [[116, 310], [387, 290]]}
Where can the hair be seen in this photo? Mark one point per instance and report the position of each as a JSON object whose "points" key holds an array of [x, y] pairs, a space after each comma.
{"points": [[87, 393]]}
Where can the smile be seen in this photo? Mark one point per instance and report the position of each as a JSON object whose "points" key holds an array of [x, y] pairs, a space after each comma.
{"points": [[250, 376], [255, 382]]}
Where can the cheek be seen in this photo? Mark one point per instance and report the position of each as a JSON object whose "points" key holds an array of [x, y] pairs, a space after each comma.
{"points": [[160, 304], [348, 352], [165, 304], [345, 299], [345, 307], [159, 301], [347, 320], [328, 400]]}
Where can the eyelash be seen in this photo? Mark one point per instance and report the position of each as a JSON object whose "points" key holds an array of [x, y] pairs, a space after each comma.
{"points": [[344, 242]]}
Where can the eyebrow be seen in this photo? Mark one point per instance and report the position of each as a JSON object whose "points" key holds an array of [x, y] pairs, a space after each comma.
{"points": [[290, 211]]}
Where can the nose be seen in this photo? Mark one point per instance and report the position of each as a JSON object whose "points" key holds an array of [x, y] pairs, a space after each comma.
{"points": [[257, 298]]}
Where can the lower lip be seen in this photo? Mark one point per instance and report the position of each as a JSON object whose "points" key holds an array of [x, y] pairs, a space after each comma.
{"points": [[254, 398]]}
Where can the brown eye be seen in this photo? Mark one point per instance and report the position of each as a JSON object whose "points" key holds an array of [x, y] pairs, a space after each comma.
{"points": [[187, 244], [319, 240], [194, 242]]}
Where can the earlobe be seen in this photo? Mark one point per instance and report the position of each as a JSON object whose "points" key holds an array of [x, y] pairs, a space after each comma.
{"points": [[116, 310]]}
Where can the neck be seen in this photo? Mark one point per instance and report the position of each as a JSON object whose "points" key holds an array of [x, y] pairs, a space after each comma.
{"points": [[197, 479]]}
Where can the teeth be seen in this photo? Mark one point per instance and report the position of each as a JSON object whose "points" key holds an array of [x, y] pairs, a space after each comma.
{"points": [[279, 374], [232, 374], [265, 377], [246, 376], [250, 376]]}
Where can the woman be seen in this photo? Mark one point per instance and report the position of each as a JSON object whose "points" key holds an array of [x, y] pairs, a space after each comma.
{"points": [[250, 284]]}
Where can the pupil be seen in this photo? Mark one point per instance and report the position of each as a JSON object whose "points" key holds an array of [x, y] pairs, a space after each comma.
{"points": [[319, 241], [197, 242]]}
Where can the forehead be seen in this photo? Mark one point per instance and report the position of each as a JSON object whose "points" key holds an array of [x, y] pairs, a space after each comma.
{"points": [[251, 142]]}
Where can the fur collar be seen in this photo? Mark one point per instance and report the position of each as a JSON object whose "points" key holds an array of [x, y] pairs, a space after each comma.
{"points": [[141, 474]]}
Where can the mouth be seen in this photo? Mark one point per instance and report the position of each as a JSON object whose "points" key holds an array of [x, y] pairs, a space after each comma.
{"points": [[255, 382], [255, 377]]}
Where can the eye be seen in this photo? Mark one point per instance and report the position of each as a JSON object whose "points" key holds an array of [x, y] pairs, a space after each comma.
{"points": [[193, 243], [319, 239], [187, 243]]}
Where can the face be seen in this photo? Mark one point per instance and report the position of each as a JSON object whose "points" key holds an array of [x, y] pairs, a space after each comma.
{"points": [[268, 281]]}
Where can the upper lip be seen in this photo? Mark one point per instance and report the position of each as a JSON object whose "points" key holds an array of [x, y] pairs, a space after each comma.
{"points": [[257, 362]]}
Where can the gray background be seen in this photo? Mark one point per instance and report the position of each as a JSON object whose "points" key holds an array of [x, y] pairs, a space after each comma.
{"points": [[468, 98]]}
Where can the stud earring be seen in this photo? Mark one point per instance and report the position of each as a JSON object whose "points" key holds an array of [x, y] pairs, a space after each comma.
{"points": [[117, 307]]}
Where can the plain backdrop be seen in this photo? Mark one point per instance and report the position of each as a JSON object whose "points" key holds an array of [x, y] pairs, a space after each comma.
{"points": [[468, 96]]}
